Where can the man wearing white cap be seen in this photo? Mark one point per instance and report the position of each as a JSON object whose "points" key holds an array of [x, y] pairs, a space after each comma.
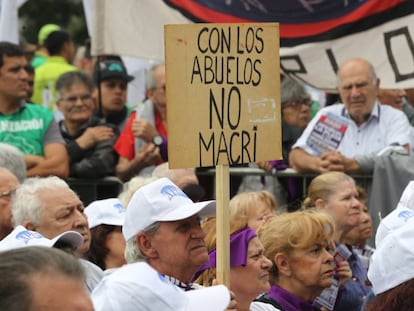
{"points": [[21, 237], [162, 228], [47, 205]]}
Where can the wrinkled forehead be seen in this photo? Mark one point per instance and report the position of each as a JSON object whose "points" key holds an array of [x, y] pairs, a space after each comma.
{"points": [[349, 78], [58, 196]]}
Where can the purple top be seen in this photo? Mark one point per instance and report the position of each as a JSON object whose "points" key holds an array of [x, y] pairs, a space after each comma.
{"points": [[288, 301], [239, 242]]}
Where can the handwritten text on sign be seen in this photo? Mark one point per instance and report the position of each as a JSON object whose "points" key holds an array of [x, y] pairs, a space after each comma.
{"points": [[225, 79]]}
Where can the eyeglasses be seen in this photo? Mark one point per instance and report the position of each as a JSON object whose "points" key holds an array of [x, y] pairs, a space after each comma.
{"points": [[74, 99], [297, 103], [7, 194], [161, 88]]}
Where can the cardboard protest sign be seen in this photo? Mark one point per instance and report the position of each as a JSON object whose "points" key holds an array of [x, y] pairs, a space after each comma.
{"points": [[223, 94]]}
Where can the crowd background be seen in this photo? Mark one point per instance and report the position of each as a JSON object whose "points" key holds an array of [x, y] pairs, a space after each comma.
{"points": [[85, 133]]}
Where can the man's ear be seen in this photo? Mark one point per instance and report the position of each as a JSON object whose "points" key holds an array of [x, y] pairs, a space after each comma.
{"points": [[377, 84], [145, 245], [149, 93], [282, 263], [59, 104], [29, 225], [320, 204]]}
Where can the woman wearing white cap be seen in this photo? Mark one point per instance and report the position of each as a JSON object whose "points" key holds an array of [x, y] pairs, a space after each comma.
{"points": [[106, 218]]}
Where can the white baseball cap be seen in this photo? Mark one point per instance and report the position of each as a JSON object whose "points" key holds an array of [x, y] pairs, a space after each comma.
{"points": [[402, 215], [161, 200], [393, 261], [138, 286], [21, 237], [105, 212]]}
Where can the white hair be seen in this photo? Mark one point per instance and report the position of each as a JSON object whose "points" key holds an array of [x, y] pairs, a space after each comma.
{"points": [[132, 251], [26, 203]]}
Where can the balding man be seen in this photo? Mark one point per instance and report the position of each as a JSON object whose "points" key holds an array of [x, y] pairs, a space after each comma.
{"points": [[8, 185], [371, 127]]}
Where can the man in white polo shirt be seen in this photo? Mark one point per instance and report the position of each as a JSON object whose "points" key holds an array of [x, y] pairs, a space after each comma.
{"points": [[370, 127]]}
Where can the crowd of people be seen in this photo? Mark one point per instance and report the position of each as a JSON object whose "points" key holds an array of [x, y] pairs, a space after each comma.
{"points": [[153, 245]]}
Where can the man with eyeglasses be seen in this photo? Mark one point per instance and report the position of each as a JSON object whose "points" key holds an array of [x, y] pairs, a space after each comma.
{"points": [[8, 185], [89, 139], [30, 128], [143, 142], [370, 127]]}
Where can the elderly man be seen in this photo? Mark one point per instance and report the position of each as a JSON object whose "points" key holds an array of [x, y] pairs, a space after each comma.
{"points": [[370, 127], [162, 228], [41, 278], [30, 128], [89, 139], [143, 142], [47, 205], [8, 185]]}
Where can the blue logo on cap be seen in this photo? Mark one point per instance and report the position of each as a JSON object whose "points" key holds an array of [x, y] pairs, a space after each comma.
{"points": [[120, 208], [172, 191], [405, 215], [26, 236]]}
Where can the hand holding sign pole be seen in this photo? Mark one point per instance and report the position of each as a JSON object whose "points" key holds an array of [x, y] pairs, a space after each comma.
{"points": [[223, 95]]}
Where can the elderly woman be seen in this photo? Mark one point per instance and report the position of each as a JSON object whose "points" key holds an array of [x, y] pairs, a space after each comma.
{"points": [[249, 276], [296, 106], [296, 112], [252, 208], [336, 194], [301, 247]]}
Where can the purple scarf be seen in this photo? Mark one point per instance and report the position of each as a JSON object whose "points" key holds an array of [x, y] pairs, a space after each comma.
{"points": [[239, 242]]}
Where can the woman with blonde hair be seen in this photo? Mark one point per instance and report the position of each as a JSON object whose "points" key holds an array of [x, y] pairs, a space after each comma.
{"points": [[249, 276], [301, 246], [336, 194], [252, 208]]}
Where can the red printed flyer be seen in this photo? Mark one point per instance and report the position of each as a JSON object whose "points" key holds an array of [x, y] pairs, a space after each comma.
{"points": [[327, 133]]}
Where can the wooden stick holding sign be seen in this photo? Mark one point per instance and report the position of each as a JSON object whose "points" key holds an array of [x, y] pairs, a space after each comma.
{"points": [[222, 224], [223, 100]]}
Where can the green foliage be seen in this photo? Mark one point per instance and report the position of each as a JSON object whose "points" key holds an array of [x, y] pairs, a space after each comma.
{"points": [[68, 14]]}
